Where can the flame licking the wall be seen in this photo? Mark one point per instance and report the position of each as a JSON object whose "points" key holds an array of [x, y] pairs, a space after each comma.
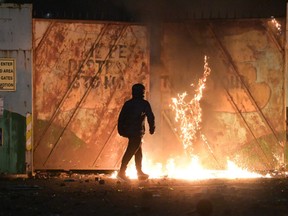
{"points": [[188, 114], [276, 24]]}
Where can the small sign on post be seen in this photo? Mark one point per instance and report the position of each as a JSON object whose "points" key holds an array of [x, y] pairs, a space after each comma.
{"points": [[7, 74]]}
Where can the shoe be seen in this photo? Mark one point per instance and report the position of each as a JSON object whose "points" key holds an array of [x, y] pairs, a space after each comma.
{"points": [[142, 176], [123, 177]]}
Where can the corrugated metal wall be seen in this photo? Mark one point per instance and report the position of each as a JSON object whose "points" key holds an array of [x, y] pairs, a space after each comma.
{"points": [[83, 73], [244, 100], [16, 44]]}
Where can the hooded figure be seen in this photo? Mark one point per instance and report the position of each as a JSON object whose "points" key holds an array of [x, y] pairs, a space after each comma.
{"points": [[131, 124]]}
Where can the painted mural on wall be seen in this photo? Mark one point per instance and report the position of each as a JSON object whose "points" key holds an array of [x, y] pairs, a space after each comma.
{"points": [[83, 73], [243, 102]]}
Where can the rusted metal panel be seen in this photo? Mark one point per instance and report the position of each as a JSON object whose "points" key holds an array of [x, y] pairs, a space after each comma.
{"points": [[16, 44], [83, 72], [244, 100]]}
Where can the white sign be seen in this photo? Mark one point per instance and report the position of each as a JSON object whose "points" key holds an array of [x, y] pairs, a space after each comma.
{"points": [[7, 74]]}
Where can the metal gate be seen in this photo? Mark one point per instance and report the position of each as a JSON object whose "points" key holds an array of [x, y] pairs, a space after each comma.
{"points": [[244, 100], [83, 73]]}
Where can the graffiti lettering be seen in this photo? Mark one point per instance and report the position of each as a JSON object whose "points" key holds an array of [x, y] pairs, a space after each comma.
{"points": [[91, 66], [231, 82], [115, 52], [106, 72], [93, 82], [111, 81], [96, 70]]}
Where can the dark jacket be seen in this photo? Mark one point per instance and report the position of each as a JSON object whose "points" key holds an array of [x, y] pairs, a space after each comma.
{"points": [[131, 121]]}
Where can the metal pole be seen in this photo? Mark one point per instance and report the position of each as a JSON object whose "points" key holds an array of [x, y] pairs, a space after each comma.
{"points": [[286, 91]]}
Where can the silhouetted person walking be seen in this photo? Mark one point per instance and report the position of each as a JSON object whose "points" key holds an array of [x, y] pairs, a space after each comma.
{"points": [[131, 124]]}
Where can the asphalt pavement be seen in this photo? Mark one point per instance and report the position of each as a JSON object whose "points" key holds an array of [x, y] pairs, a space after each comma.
{"points": [[99, 194]]}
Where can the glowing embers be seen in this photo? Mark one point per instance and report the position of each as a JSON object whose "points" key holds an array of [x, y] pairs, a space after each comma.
{"points": [[194, 171], [189, 170], [276, 24]]}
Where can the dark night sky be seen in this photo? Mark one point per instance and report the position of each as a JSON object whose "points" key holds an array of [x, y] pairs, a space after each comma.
{"points": [[141, 10]]}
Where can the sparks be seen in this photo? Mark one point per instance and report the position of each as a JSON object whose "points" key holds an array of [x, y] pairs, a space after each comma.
{"points": [[189, 116], [276, 24]]}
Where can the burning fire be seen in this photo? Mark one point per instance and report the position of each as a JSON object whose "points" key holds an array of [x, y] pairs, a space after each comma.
{"points": [[189, 116], [276, 24], [190, 171]]}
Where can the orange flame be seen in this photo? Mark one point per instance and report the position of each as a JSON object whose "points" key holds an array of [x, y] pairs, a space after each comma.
{"points": [[189, 116], [276, 24], [190, 171]]}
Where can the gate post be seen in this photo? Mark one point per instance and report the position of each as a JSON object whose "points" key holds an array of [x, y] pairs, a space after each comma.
{"points": [[286, 92]]}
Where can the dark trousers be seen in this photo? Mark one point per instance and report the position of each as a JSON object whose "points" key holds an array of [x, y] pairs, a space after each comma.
{"points": [[133, 149]]}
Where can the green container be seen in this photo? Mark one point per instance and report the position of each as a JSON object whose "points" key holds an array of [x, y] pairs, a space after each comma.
{"points": [[13, 142]]}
